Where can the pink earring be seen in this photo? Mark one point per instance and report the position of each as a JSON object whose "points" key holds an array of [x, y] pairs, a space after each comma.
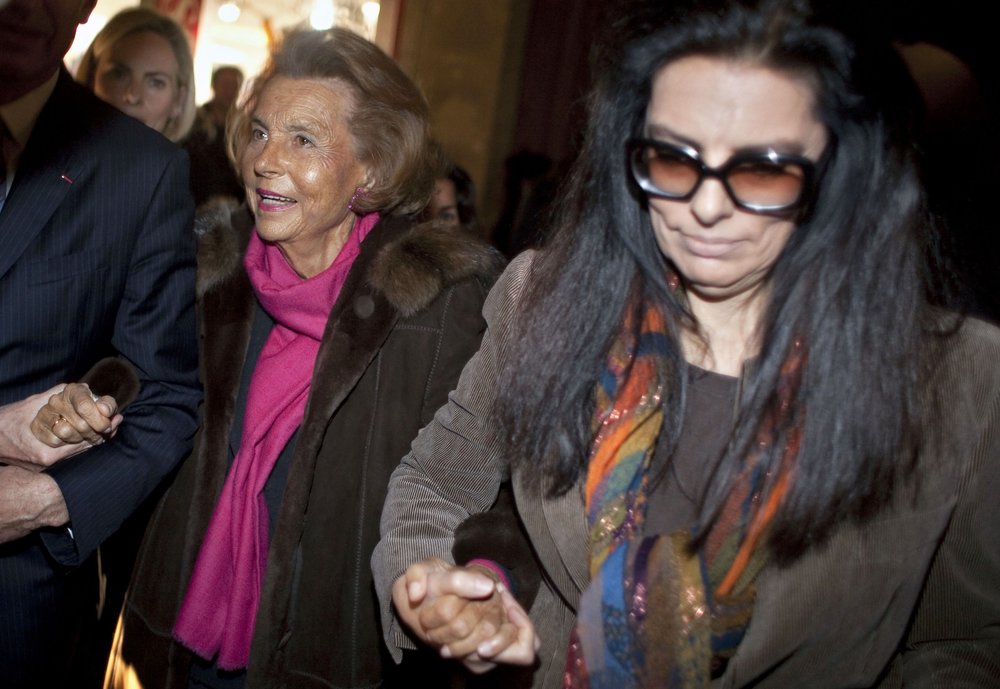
{"points": [[358, 193]]}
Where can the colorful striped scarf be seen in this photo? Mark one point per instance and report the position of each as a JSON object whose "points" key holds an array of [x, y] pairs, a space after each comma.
{"points": [[655, 613]]}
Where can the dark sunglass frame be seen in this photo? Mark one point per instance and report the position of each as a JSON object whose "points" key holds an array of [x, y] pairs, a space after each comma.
{"points": [[635, 150]]}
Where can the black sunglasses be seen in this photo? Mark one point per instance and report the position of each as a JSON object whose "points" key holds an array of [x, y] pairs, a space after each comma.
{"points": [[762, 182]]}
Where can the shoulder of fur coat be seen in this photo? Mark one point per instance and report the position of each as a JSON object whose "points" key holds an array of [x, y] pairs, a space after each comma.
{"points": [[410, 269]]}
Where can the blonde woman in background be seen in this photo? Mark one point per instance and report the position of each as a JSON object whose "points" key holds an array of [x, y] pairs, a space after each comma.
{"points": [[140, 62]]}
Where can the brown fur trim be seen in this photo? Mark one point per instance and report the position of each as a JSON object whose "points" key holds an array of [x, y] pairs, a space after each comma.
{"points": [[413, 269], [220, 243], [115, 377]]}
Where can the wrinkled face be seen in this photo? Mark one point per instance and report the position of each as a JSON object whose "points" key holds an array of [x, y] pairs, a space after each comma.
{"points": [[138, 75], [300, 169], [722, 107], [443, 206], [35, 34]]}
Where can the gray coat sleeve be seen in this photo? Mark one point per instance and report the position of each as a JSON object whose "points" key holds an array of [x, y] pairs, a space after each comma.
{"points": [[455, 465]]}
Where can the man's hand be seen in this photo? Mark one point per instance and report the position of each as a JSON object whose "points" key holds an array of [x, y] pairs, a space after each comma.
{"points": [[465, 614], [85, 422], [28, 501], [76, 415]]}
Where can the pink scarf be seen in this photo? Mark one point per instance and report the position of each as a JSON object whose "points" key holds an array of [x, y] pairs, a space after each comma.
{"points": [[220, 607]]}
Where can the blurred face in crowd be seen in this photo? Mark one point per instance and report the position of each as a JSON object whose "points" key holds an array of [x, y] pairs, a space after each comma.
{"points": [[300, 169], [443, 206], [139, 76], [226, 86], [35, 35], [720, 108]]}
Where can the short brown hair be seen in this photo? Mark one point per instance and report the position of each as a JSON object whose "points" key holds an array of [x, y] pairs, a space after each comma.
{"points": [[388, 123]]}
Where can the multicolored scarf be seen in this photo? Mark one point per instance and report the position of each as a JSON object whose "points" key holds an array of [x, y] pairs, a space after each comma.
{"points": [[655, 614], [216, 619]]}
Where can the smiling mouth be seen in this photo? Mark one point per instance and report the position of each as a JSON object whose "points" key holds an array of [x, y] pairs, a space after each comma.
{"points": [[268, 197]]}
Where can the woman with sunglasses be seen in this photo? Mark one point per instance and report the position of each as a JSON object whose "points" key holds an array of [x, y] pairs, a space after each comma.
{"points": [[745, 448]]}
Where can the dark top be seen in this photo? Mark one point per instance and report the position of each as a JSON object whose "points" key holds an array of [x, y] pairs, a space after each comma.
{"points": [[681, 480]]}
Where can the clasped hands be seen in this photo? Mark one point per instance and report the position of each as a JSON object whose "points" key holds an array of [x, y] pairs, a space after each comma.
{"points": [[50, 426], [465, 614], [36, 433]]}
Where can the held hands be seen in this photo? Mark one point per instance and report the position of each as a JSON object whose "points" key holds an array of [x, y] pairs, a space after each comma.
{"points": [[76, 415], [43, 429], [465, 613], [29, 499]]}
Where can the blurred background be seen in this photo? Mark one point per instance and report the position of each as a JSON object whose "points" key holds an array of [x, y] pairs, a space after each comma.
{"points": [[505, 80]]}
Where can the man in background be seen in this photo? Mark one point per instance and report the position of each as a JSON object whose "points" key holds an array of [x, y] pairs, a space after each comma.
{"points": [[212, 174]]}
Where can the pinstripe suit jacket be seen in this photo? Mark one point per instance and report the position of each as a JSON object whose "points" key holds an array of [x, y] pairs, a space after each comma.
{"points": [[96, 258], [909, 598]]}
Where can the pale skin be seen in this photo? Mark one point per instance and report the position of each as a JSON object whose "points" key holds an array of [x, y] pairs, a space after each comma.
{"points": [[723, 254], [138, 75]]}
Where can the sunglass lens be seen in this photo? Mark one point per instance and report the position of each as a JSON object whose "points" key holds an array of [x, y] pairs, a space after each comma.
{"points": [[766, 184], [671, 172]]}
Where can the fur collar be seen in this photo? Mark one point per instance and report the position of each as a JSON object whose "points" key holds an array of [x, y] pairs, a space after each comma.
{"points": [[411, 267]]}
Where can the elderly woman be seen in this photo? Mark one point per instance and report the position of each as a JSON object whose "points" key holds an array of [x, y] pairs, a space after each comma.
{"points": [[746, 450], [330, 334], [140, 63]]}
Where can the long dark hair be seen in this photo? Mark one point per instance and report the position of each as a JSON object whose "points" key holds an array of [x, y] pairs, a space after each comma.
{"points": [[851, 281]]}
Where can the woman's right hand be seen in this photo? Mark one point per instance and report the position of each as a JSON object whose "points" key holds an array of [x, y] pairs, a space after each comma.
{"points": [[74, 416], [465, 614]]}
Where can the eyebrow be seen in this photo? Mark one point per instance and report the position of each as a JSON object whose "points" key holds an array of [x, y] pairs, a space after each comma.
{"points": [[292, 127], [788, 146], [120, 63], [662, 131]]}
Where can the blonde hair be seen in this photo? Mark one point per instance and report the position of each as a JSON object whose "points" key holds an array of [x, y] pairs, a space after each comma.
{"points": [[388, 120], [132, 21]]}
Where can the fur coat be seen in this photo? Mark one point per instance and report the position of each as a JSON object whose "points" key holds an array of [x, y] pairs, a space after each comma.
{"points": [[397, 338]]}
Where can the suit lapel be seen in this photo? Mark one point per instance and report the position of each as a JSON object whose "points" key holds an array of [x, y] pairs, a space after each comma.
{"points": [[51, 161]]}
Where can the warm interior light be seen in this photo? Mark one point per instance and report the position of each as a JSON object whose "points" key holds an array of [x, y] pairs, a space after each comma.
{"points": [[229, 12], [321, 17], [370, 12]]}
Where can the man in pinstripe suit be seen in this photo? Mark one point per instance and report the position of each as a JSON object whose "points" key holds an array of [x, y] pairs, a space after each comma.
{"points": [[96, 259]]}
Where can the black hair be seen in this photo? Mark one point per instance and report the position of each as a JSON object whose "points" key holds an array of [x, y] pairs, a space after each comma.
{"points": [[851, 281]]}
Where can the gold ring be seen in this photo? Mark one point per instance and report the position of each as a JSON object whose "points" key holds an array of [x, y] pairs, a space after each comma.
{"points": [[58, 421]]}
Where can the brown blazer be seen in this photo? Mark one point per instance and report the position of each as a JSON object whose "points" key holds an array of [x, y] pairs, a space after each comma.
{"points": [[909, 598]]}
